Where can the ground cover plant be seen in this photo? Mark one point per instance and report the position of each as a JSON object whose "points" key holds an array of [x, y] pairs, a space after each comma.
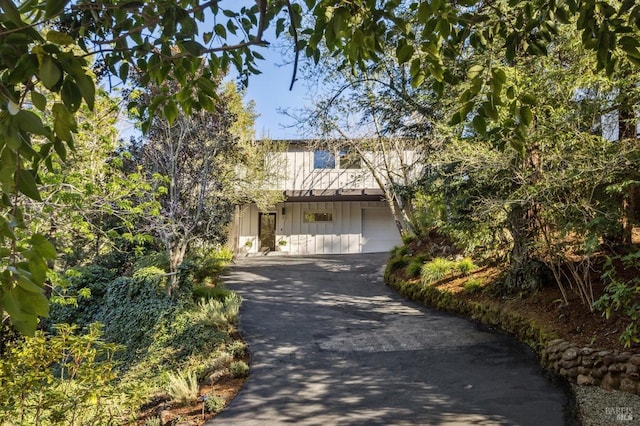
{"points": [[154, 353]]}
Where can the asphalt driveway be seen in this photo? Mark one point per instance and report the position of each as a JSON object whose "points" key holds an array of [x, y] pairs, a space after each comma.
{"points": [[332, 345]]}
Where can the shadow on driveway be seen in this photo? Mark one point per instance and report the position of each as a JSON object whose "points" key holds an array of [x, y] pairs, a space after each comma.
{"points": [[331, 344]]}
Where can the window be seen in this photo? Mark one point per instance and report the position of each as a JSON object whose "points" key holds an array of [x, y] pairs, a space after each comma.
{"points": [[323, 160], [311, 217], [349, 160]]}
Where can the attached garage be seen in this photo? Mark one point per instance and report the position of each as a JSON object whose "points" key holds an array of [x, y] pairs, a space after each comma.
{"points": [[379, 231]]}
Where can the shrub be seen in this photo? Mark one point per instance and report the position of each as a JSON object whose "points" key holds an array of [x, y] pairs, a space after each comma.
{"points": [[214, 403], [237, 348], [239, 369], [473, 284], [397, 262], [63, 378], [153, 259], [414, 268], [80, 294], [217, 292], [220, 314], [436, 270], [183, 387], [466, 266], [622, 296]]}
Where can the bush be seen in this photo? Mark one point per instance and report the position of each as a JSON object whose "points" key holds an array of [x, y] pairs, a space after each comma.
{"points": [[79, 298], [217, 292], [622, 296], [473, 285], [436, 270], [397, 262], [414, 268], [239, 369], [134, 307], [64, 378], [220, 314], [465, 266], [183, 387], [214, 403]]}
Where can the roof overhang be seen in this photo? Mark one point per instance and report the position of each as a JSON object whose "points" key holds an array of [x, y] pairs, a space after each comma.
{"points": [[371, 194]]}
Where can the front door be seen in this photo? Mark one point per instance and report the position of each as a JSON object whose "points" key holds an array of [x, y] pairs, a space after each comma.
{"points": [[267, 222]]}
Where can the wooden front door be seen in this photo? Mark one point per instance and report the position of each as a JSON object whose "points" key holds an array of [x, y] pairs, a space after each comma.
{"points": [[267, 232]]}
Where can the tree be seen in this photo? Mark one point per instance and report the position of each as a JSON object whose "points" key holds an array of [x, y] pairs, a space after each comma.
{"points": [[50, 46], [380, 118], [198, 165], [53, 47]]}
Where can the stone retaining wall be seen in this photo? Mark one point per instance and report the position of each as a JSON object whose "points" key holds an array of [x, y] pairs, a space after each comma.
{"points": [[588, 366]]}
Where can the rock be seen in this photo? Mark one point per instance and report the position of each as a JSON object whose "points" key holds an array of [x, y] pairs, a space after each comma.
{"points": [[554, 342], [628, 385], [584, 380], [165, 417], [584, 370], [569, 364], [607, 359], [635, 360], [610, 382], [617, 368], [632, 369], [561, 347], [587, 361], [570, 354], [599, 372], [586, 351], [572, 372], [622, 358]]}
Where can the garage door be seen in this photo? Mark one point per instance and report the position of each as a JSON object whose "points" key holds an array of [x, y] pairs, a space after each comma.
{"points": [[379, 231]]}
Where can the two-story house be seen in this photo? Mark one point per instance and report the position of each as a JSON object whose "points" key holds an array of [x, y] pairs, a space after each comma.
{"points": [[332, 205]]}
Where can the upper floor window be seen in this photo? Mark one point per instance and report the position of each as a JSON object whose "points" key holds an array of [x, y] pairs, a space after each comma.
{"points": [[349, 160], [323, 160]]}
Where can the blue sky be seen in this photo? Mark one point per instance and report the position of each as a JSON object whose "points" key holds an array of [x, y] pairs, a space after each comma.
{"points": [[270, 91]]}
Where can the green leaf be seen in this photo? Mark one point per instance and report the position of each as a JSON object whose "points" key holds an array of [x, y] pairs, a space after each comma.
{"points": [[70, 95], [30, 122], [64, 122], [27, 284], [38, 100], [54, 7], [43, 246], [62, 39], [480, 124], [26, 184], [49, 73], [526, 115], [529, 99], [87, 89], [404, 53], [475, 71], [24, 322], [220, 30], [171, 111], [11, 11]]}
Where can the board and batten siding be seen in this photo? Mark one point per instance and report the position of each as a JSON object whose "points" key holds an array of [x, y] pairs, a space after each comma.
{"points": [[300, 174], [344, 234]]}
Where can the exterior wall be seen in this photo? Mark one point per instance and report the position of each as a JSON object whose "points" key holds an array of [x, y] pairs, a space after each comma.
{"points": [[300, 174], [344, 234], [357, 225]]}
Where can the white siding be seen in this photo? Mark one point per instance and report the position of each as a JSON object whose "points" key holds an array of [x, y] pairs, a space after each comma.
{"points": [[300, 174], [342, 235]]}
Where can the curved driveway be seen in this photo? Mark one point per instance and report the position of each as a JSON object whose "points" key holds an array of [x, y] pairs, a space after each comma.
{"points": [[332, 345]]}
